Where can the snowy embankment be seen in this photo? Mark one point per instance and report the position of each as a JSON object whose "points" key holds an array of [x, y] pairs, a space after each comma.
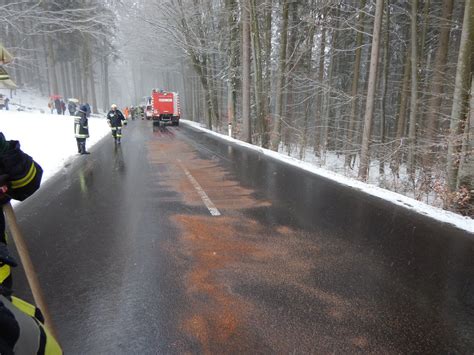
{"points": [[49, 139], [438, 214]]}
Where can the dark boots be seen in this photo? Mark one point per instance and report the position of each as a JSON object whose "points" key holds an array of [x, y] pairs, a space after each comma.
{"points": [[83, 148]]}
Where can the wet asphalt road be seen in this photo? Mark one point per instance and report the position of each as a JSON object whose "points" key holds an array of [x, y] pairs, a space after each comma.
{"points": [[132, 261]]}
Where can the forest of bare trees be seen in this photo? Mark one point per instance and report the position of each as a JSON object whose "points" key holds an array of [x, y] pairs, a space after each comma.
{"points": [[374, 89], [60, 47]]}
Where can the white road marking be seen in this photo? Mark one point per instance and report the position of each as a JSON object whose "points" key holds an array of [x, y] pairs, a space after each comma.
{"points": [[207, 201]]}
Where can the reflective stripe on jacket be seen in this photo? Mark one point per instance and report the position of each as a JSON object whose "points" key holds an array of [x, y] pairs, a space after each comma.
{"points": [[5, 272], [25, 178], [81, 128]]}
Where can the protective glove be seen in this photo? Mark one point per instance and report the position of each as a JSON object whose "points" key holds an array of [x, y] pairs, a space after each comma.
{"points": [[124, 122]]}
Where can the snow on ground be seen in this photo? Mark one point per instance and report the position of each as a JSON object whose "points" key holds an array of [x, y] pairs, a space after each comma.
{"points": [[457, 220], [49, 139], [400, 183], [26, 100]]}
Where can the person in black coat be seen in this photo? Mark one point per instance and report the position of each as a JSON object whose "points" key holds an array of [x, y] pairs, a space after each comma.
{"points": [[81, 129], [21, 324], [22, 176], [116, 121], [57, 105], [71, 108]]}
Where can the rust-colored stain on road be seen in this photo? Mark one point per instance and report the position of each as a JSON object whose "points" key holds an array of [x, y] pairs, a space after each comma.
{"points": [[217, 320], [221, 189], [218, 315], [232, 251]]}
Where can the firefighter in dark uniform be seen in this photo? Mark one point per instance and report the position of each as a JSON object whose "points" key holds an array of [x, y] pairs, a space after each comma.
{"points": [[116, 121], [21, 324], [81, 129]]}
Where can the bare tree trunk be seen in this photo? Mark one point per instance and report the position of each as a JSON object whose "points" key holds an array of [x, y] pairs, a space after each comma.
{"points": [[212, 90], [460, 97], [233, 62], [52, 67], [369, 109], [36, 69], [106, 95], [319, 94], [72, 83], [466, 167], [186, 90], [326, 103], [325, 118], [276, 133], [268, 65], [211, 67], [437, 83], [78, 80], [193, 99], [207, 92], [65, 89], [349, 149], [386, 61], [16, 66], [70, 87], [258, 77], [288, 110], [424, 62], [309, 69], [414, 92], [197, 116], [46, 60], [402, 112], [246, 131], [85, 79], [93, 93]]}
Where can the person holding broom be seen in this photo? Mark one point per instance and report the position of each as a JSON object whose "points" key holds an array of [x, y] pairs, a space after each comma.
{"points": [[21, 324]]}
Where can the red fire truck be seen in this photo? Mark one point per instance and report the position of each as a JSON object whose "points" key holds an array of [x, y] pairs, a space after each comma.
{"points": [[165, 107]]}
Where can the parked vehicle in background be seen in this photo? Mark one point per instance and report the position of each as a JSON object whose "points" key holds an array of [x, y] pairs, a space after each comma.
{"points": [[165, 107], [147, 108]]}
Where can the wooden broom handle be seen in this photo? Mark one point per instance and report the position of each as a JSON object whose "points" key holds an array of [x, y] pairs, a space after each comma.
{"points": [[30, 271]]}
